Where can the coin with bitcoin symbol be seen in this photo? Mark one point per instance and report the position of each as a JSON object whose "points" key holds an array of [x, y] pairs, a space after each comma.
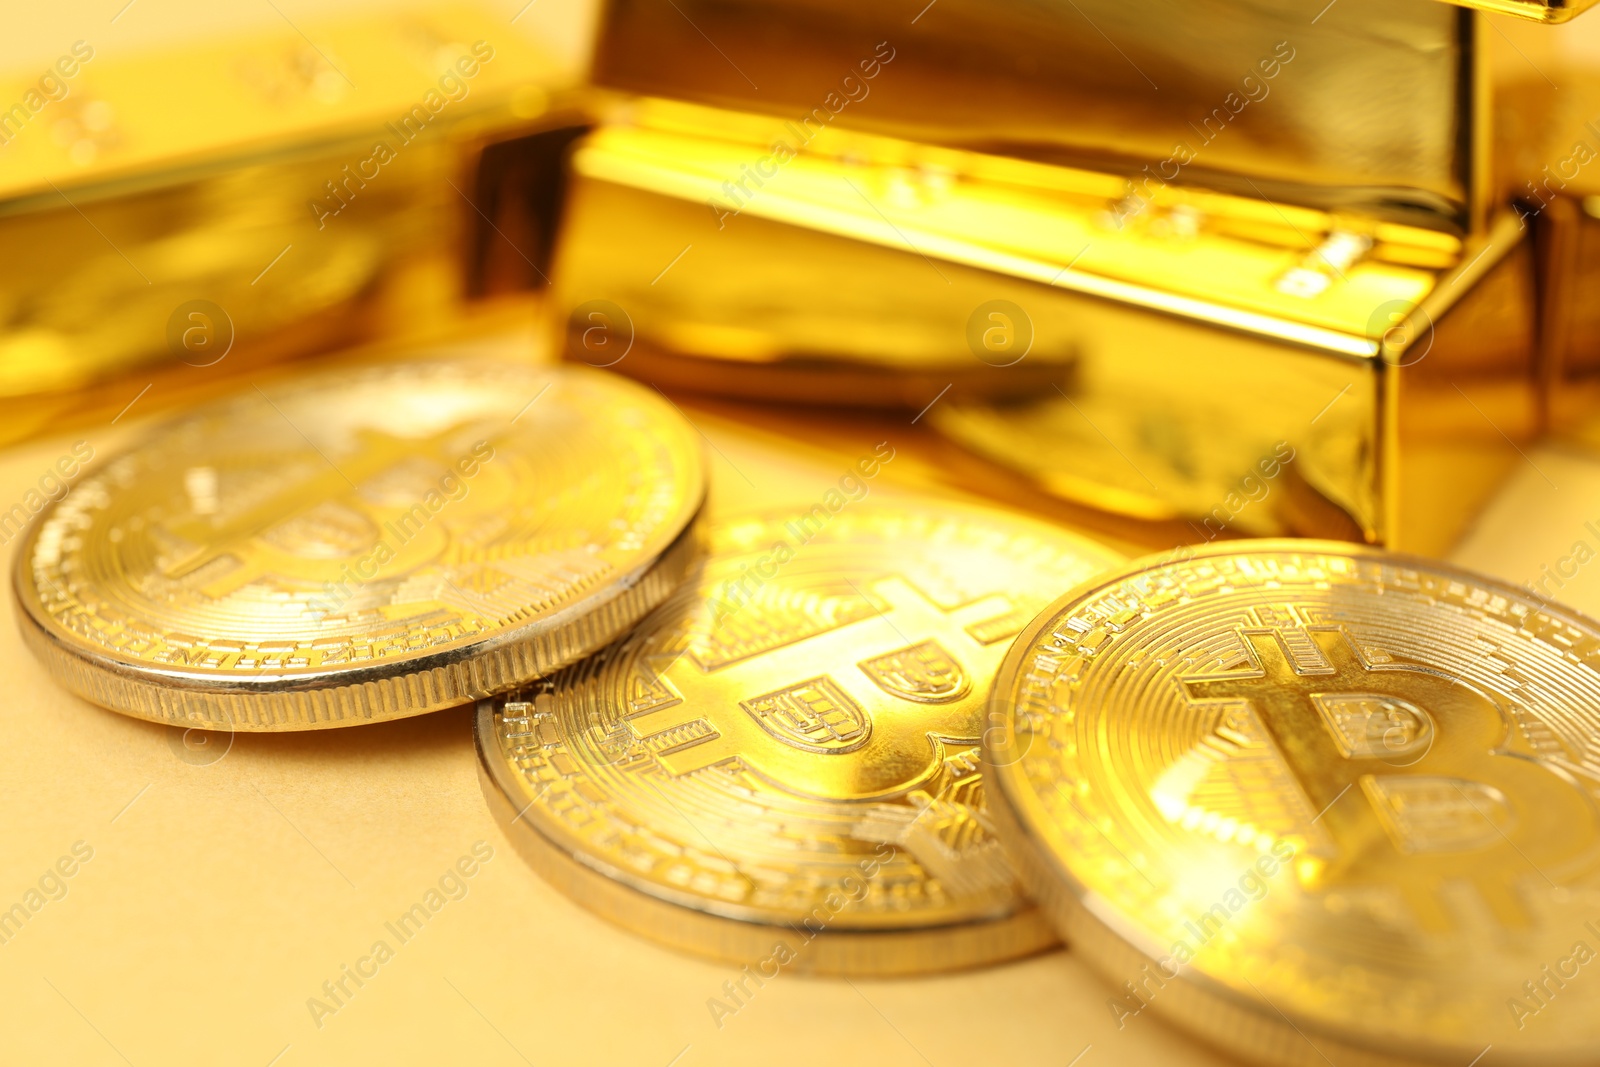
{"points": [[363, 545], [779, 766], [1316, 802]]}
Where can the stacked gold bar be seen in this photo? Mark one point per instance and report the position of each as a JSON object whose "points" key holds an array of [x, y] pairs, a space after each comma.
{"points": [[317, 195], [1138, 272], [1538, 10]]}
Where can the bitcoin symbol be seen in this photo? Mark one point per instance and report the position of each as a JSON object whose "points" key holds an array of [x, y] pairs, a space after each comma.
{"points": [[863, 712], [311, 526], [1436, 793]]}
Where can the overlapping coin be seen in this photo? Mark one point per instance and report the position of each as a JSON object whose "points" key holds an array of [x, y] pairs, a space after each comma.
{"points": [[364, 545], [779, 767], [1317, 803]]}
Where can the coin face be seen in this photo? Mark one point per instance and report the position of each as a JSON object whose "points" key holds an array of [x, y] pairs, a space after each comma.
{"points": [[1315, 800], [364, 545], [779, 766]]}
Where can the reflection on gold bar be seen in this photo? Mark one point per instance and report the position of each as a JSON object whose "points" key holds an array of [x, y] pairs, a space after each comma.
{"points": [[1372, 106], [1549, 161], [1208, 334], [1537, 10], [312, 196]]}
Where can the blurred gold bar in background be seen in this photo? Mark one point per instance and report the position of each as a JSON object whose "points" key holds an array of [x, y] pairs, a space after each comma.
{"points": [[315, 196], [1549, 162], [1376, 107], [1537, 10], [1197, 339]]}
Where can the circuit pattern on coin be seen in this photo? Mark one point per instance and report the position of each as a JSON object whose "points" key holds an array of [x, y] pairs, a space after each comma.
{"points": [[1352, 794], [793, 740], [364, 544]]}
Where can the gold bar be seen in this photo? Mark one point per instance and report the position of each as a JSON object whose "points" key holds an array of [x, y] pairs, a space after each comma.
{"points": [[171, 219], [1396, 362], [1551, 11], [1548, 160], [1376, 107]]}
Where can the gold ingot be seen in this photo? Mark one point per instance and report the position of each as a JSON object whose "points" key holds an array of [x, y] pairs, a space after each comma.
{"points": [[363, 546], [1537, 10], [174, 232], [1314, 802], [779, 766], [1366, 107], [1199, 335], [1548, 161]]}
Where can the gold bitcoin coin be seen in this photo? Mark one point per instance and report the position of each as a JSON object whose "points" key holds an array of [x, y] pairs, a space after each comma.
{"points": [[364, 545], [1318, 803], [779, 767]]}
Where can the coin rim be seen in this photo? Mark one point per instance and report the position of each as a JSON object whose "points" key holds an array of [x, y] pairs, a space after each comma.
{"points": [[694, 925], [370, 693], [1203, 1005], [375, 691], [730, 933]]}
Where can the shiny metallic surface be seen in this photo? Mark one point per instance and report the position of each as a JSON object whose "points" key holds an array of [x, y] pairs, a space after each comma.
{"points": [[786, 751], [1313, 801], [1537, 10], [1183, 339], [1372, 106], [309, 215], [788, 667], [1547, 145], [368, 545]]}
